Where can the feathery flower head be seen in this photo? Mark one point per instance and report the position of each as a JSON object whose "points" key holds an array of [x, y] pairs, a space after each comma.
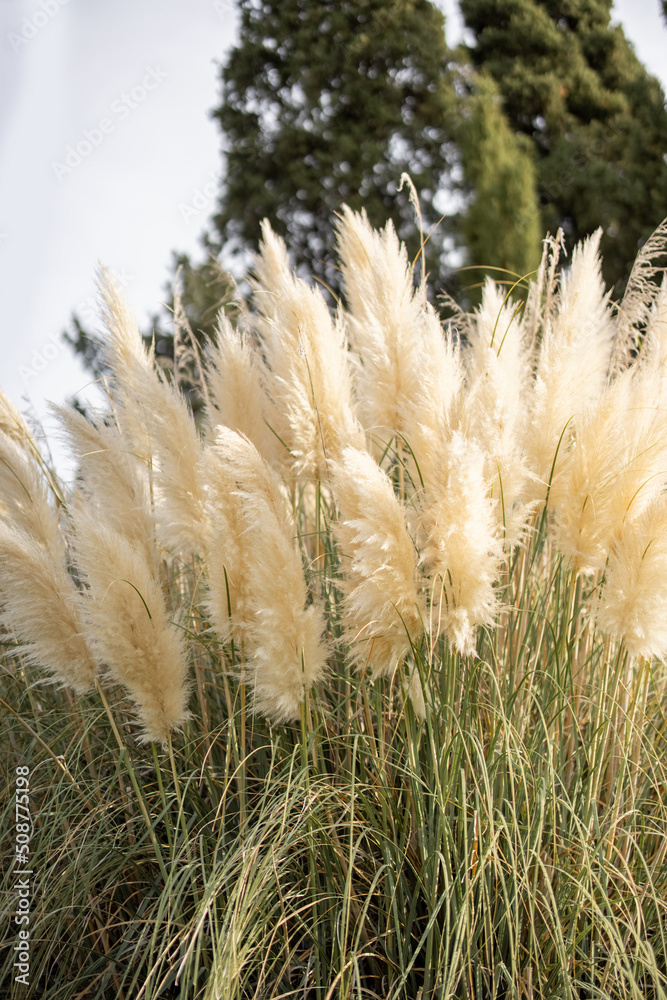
{"points": [[572, 364], [306, 354], [128, 624], [156, 419], [39, 603], [633, 604], [384, 612], [461, 550], [280, 628], [236, 376]]}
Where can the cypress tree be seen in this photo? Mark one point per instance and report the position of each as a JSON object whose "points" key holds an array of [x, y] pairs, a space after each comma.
{"points": [[573, 85], [501, 227], [328, 103]]}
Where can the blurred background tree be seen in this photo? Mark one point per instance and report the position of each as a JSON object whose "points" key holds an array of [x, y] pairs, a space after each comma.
{"points": [[501, 227], [546, 119], [325, 104], [573, 86]]}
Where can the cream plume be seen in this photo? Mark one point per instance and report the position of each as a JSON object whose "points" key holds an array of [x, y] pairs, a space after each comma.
{"points": [[492, 411], [24, 496], [306, 354], [156, 418], [37, 594], [641, 294], [112, 480], [13, 425], [236, 377], [633, 605], [228, 547], [408, 373], [461, 549], [129, 625], [572, 363], [384, 614], [617, 465], [39, 603], [281, 629]]}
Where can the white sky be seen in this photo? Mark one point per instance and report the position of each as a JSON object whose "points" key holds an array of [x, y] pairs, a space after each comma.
{"points": [[146, 70]]}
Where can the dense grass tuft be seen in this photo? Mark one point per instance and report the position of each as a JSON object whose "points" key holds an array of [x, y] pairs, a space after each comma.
{"points": [[468, 797]]}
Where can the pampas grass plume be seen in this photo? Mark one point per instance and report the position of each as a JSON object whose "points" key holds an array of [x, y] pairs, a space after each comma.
{"points": [[37, 595], [113, 482], [307, 358], [383, 611], [40, 604], [157, 420], [633, 605], [282, 631], [407, 373], [129, 626], [492, 410], [236, 378], [573, 361], [461, 550]]}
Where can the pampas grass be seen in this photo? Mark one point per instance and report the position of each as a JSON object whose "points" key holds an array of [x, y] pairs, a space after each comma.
{"points": [[262, 579], [633, 605], [572, 364], [158, 423], [128, 625], [237, 390], [307, 361], [461, 545], [38, 599], [407, 373], [39, 605], [404, 687], [383, 611], [498, 367]]}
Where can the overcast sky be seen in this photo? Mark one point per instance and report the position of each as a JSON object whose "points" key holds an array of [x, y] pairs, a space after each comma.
{"points": [[107, 153]]}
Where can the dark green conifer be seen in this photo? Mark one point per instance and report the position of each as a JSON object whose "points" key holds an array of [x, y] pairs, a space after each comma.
{"points": [[501, 227], [574, 87], [329, 103]]}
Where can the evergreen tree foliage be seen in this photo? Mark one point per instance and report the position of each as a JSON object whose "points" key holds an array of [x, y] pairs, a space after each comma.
{"points": [[328, 103], [501, 227], [573, 85]]}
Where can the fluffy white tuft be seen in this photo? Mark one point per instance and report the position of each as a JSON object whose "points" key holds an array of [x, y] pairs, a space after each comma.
{"points": [[384, 613], [280, 628], [129, 625], [572, 363], [39, 603], [305, 350], [38, 598], [461, 550], [633, 606], [408, 372], [492, 410], [236, 378], [159, 424]]}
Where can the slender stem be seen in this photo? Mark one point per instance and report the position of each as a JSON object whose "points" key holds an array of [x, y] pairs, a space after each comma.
{"points": [[312, 867], [179, 799], [242, 752], [133, 778], [181, 816], [158, 773]]}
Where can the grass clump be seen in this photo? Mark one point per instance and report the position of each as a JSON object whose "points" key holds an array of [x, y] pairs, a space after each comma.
{"points": [[359, 688]]}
